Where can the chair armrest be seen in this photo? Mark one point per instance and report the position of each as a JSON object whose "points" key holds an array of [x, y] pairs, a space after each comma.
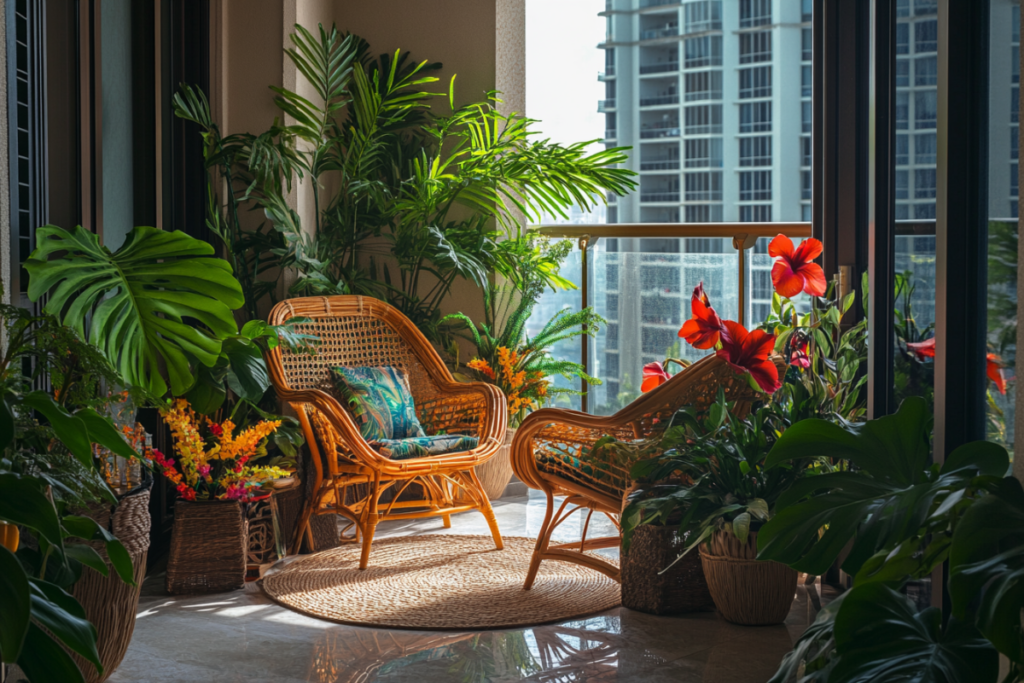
{"points": [[552, 432], [337, 416]]}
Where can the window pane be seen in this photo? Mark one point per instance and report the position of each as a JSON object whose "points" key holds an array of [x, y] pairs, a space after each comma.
{"points": [[755, 117], [756, 82], [755, 47]]}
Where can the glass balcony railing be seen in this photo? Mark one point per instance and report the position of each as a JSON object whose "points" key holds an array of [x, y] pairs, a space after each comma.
{"points": [[658, 68], [658, 3], [664, 196], [660, 165], [606, 105], [610, 134], [660, 131], [609, 72], [639, 278], [659, 99], [663, 32]]}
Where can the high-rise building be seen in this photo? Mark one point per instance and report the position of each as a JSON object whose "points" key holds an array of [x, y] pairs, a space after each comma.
{"points": [[714, 97]]}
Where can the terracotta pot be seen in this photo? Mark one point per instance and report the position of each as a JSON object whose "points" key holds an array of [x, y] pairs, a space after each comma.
{"points": [[496, 473], [746, 590]]}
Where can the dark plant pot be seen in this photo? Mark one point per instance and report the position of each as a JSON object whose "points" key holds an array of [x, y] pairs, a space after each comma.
{"points": [[208, 547], [110, 603], [747, 591], [679, 590]]}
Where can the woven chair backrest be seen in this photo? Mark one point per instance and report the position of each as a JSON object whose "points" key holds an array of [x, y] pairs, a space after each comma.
{"points": [[352, 331]]}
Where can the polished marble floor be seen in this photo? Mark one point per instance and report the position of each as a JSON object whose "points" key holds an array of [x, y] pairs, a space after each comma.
{"points": [[243, 636]]}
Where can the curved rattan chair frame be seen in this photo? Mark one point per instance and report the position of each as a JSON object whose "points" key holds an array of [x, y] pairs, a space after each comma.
{"points": [[550, 433], [360, 331]]}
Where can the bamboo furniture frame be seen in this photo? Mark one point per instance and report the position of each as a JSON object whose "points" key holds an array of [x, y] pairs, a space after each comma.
{"points": [[547, 435], [360, 331]]}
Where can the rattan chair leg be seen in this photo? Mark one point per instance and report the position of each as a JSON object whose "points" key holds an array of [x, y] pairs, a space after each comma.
{"points": [[447, 519], [370, 521], [542, 542], [487, 510]]}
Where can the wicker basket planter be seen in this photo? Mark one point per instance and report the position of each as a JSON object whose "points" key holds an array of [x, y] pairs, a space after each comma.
{"points": [[208, 547], [496, 473], [679, 590], [746, 590], [110, 603]]}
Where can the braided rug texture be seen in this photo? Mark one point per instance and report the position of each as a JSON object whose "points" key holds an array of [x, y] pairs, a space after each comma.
{"points": [[439, 582]]}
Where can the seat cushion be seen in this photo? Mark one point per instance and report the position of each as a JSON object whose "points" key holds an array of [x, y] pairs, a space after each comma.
{"points": [[380, 402], [424, 446]]}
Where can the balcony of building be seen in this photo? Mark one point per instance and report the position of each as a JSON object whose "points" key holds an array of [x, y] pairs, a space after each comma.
{"points": [[321, 364]]}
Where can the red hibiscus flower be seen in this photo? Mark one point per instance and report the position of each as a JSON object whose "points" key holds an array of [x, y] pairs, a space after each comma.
{"points": [[994, 370], [922, 350], [216, 430], [654, 376], [794, 271], [993, 364], [705, 328], [799, 356], [748, 352]]}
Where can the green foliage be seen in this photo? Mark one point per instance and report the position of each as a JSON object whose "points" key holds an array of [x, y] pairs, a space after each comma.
{"points": [[38, 618], [901, 517], [158, 305], [712, 474], [832, 382], [887, 498], [881, 638], [987, 561], [417, 201]]}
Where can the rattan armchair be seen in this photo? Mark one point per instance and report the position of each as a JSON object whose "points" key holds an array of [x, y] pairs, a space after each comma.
{"points": [[551, 447], [349, 476]]}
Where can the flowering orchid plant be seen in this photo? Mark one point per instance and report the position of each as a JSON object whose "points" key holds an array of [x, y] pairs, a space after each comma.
{"points": [[212, 460]]}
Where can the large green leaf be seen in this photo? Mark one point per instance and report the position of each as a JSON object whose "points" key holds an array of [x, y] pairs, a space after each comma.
{"points": [[43, 659], [86, 528], [881, 638], [65, 618], [893, 448], [22, 503], [987, 560], [72, 431], [158, 304], [247, 371], [14, 605], [885, 503]]}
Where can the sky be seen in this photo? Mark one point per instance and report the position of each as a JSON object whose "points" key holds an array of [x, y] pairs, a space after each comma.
{"points": [[562, 62]]}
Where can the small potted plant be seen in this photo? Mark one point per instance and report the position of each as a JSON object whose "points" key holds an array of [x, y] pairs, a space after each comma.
{"points": [[213, 478], [712, 478]]}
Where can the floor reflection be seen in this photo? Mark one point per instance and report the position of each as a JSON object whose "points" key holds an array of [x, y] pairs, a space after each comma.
{"points": [[545, 654]]}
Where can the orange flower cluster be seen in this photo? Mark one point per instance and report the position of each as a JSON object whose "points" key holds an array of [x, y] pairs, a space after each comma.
{"points": [[523, 389], [214, 464]]}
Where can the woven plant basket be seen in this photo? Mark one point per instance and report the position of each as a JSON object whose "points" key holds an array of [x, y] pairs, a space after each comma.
{"points": [[496, 473], [208, 546], [747, 591], [679, 590], [110, 603]]}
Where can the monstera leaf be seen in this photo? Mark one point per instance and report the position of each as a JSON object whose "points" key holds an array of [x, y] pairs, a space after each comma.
{"points": [[158, 304], [889, 499], [986, 563]]}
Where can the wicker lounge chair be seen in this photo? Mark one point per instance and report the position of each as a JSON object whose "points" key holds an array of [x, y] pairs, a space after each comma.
{"points": [[349, 475], [550, 449]]}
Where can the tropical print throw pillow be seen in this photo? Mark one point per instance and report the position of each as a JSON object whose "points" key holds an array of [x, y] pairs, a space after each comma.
{"points": [[380, 402], [425, 446]]}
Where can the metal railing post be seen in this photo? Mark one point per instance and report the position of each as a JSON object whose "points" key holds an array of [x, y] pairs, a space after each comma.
{"points": [[585, 339]]}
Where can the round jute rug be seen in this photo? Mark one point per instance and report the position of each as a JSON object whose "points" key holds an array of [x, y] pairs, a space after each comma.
{"points": [[439, 582]]}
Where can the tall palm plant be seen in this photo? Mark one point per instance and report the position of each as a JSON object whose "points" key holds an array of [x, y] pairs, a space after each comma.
{"points": [[408, 202]]}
